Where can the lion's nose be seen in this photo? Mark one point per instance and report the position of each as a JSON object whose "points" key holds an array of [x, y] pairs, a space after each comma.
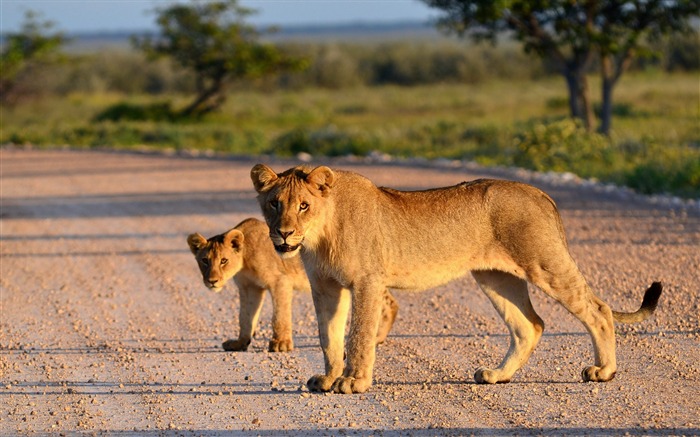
{"points": [[284, 234], [212, 281]]}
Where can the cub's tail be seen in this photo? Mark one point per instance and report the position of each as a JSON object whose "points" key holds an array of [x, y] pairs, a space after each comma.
{"points": [[651, 299]]}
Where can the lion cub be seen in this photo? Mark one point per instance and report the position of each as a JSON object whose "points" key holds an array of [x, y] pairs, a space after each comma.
{"points": [[246, 254]]}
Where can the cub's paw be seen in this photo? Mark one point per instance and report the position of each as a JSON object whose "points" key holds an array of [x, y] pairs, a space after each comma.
{"points": [[348, 385], [236, 345], [484, 375], [281, 345], [597, 374], [320, 383]]}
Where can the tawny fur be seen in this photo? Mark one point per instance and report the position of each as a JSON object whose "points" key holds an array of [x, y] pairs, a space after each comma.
{"points": [[246, 254], [354, 235]]}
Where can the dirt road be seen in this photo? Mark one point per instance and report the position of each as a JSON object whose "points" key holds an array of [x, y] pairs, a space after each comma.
{"points": [[106, 328]]}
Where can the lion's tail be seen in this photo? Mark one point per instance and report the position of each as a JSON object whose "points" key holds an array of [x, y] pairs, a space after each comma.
{"points": [[651, 299]]}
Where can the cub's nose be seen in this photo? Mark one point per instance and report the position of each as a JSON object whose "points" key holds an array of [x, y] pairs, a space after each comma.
{"points": [[212, 281]]}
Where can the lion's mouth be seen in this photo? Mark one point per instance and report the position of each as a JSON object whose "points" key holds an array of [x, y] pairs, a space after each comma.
{"points": [[286, 248]]}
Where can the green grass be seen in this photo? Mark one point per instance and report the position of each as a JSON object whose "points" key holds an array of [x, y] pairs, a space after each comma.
{"points": [[654, 146]]}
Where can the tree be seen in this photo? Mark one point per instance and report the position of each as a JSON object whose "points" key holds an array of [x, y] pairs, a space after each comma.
{"points": [[572, 34], [624, 29], [33, 47], [212, 40]]}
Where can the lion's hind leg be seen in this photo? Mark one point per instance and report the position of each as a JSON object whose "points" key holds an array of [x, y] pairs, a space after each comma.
{"points": [[568, 287], [510, 297], [389, 310]]}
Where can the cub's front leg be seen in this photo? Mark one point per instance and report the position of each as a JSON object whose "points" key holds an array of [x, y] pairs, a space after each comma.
{"points": [[367, 300], [282, 294], [251, 301], [332, 303]]}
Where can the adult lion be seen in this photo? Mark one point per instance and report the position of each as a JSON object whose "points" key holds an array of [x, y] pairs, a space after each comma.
{"points": [[246, 254], [353, 234]]}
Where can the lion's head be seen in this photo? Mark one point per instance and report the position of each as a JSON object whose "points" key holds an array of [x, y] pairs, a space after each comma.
{"points": [[292, 203], [219, 257]]}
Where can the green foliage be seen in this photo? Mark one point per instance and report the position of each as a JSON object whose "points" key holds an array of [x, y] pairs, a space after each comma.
{"points": [[655, 146], [161, 111], [650, 167], [324, 142], [570, 34], [564, 146], [683, 53], [33, 47], [211, 40], [666, 170], [332, 66]]}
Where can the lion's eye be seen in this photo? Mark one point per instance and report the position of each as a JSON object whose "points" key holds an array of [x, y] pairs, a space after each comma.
{"points": [[274, 204], [224, 261], [205, 261], [303, 206]]}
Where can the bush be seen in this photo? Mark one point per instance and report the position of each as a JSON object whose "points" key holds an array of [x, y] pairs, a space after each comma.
{"points": [[683, 53], [563, 146], [324, 142], [667, 171], [135, 112]]}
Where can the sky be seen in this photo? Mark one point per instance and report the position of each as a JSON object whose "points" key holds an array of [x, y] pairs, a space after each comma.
{"points": [[128, 15]]}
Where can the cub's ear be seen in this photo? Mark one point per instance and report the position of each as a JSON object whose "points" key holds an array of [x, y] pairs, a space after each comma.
{"points": [[196, 241], [263, 177], [234, 238], [322, 179]]}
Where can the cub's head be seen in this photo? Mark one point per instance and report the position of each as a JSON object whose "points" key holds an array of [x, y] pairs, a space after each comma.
{"points": [[219, 258], [294, 203]]}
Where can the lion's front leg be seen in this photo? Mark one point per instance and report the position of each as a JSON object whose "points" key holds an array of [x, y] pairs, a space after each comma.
{"points": [[366, 312], [332, 304], [251, 301], [282, 294]]}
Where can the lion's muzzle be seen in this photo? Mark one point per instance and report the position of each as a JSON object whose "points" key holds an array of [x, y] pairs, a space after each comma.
{"points": [[286, 248]]}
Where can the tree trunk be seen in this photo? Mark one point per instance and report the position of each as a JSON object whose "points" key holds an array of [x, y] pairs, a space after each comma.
{"points": [[209, 98], [572, 86], [611, 70], [579, 96], [586, 107], [606, 106]]}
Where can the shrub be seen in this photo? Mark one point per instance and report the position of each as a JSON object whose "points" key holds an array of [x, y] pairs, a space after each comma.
{"points": [[324, 142], [134, 112], [563, 146], [667, 170]]}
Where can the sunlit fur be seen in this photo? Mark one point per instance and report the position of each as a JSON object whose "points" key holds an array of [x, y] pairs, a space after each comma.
{"points": [[246, 254], [357, 236], [251, 261]]}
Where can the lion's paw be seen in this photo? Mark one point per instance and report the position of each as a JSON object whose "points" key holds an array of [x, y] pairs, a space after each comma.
{"points": [[281, 345], [236, 345], [484, 375], [349, 385], [320, 383], [597, 374]]}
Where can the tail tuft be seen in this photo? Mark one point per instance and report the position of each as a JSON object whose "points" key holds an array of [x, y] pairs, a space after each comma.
{"points": [[652, 295], [649, 303]]}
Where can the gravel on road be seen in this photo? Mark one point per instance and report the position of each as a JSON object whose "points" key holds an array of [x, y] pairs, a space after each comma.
{"points": [[105, 326]]}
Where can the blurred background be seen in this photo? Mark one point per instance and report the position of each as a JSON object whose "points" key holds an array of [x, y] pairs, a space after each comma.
{"points": [[605, 90]]}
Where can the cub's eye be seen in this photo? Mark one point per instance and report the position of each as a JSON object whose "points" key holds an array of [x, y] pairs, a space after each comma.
{"points": [[303, 206], [205, 261], [274, 204], [224, 261]]}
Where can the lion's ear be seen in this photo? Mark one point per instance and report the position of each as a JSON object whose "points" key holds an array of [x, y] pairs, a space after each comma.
{"points": [[263, 177], [196, 241], [234, 239], [321, 178]]}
